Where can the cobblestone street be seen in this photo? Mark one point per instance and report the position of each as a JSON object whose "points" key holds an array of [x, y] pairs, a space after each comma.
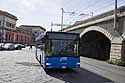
{"points": [[20, 66]]}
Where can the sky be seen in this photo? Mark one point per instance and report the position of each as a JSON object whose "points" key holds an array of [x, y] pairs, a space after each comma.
{"points": [[45, 12]]}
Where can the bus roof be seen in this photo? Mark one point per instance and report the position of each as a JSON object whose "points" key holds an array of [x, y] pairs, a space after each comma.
{"points": [[62, 35], [58, 35]]}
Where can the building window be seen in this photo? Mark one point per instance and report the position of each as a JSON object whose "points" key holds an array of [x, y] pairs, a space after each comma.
{"points": [[0, 35], [8, 24], [8, 36], [0, 22], [13, 25], [16, 37], [25, 39], [21, 39]]}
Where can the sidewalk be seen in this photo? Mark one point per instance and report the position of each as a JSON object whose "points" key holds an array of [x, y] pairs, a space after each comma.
{"points": [[20, 66]]}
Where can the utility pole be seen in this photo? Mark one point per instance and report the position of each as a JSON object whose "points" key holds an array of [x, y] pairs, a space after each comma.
{"points": [[92, 13], [115, 15], [71, 13], [61, 24], [62, 19], [51, 26]]}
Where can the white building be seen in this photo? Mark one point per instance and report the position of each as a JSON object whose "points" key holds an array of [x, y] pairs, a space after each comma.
{"points": [[33, 28]]}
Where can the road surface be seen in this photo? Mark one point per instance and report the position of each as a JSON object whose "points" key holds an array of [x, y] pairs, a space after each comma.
{"points": [[20, 66]]}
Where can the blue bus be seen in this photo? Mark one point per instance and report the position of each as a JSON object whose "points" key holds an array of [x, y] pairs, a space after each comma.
{"points": [[58, 50]]}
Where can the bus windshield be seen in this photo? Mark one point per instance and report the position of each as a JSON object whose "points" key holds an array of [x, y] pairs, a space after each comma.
{"points": [[64, 47]]}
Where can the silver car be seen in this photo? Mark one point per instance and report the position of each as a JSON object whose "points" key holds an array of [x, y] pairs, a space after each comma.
{"points": [[9, 46]]}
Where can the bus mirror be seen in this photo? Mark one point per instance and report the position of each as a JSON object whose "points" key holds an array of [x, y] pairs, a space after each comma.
{"points": [[42, 47]]}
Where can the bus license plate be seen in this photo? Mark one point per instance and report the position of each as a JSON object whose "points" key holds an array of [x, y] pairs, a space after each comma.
{"points": [[63, 66]]}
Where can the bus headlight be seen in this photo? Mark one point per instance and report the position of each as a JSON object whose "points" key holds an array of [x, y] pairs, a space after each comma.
{"points": [[78, 63], [48, 63]]}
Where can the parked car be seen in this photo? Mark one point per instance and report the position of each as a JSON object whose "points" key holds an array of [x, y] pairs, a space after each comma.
{"points": [[26, 45], [40, 46], [1, 46], [18, 46], [9, 46], [23, 46]]}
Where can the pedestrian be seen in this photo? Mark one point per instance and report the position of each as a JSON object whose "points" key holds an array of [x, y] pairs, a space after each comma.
{"points": [[30, 46]]}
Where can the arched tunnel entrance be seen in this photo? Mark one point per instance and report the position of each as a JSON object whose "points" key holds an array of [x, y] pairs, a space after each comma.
{"points": [[96, 45]]}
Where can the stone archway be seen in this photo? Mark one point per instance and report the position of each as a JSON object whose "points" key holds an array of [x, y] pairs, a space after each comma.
{"points": [[114, 51], [99, 29], [95, 43]]}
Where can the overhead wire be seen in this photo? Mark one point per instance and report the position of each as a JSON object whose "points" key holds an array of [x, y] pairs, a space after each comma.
{"points": [[97, 5], [103, 7], [88, 6], [75, 12], [107, 6], [79, 10]]}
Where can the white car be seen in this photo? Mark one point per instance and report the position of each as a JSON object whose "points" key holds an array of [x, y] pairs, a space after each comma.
{"points": [[1, 46], [9, 46]]}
